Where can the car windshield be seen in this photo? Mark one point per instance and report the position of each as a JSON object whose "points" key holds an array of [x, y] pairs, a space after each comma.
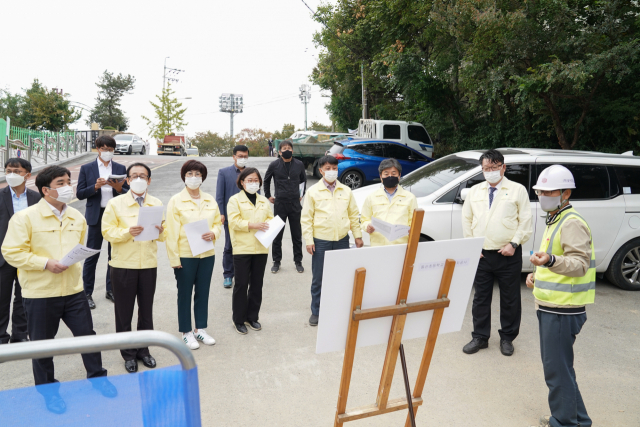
{"points": [[123, 137], [437, 174]]}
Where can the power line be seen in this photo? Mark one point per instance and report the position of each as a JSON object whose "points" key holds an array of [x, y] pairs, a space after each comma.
{"points": [[255, 105]]}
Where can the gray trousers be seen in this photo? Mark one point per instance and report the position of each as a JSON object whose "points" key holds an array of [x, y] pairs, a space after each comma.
{"points": [[557, 335]]}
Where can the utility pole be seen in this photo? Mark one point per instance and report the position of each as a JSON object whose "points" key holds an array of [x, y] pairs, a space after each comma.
{"points": [[173, 73], [305, 96], [232, 103], [365, 107]]}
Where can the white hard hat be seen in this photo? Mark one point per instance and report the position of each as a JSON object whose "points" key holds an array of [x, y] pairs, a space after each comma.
{"points": [[555, 177]]}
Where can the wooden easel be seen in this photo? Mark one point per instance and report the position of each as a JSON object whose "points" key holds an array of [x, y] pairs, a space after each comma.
{"points": [[399, 312]]}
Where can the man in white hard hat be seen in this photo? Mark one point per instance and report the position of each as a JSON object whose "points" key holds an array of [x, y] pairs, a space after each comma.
{"points": [[563, 284], [500, 211]]}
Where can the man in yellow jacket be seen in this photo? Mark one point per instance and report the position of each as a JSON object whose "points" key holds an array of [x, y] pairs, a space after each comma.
{"points": [[133, 263], [37, 239], [390, 203], [329, 212]]}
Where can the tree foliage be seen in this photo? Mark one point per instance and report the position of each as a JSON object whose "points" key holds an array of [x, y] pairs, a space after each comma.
{"points": [[287, 130], [107, 110], [169, 115], [256, 140], [212, 144], [488, 73]]}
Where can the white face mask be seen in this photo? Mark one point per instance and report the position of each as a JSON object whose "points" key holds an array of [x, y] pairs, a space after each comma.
{"points": [[193, 182], [138, 185], [65, 194], [330, 176], [14, 180], [106, 155], [252, 187], [492, 177], [242, 162]]}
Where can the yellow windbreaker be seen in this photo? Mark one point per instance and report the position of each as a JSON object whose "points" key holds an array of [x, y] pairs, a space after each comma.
{"points": [[399, 211], [240, 212], [182, 209]]}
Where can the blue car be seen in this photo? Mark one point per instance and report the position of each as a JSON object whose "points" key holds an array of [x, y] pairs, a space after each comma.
{"points": [[358, 159]]}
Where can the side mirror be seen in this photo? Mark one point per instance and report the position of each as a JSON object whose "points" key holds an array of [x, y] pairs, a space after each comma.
{"points": [[412, 159], [463, 193]]}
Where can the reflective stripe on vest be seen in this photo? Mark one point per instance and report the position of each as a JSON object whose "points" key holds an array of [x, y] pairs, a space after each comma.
{"points": [[559, 289]]}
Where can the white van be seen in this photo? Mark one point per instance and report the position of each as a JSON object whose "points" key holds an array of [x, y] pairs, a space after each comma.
{"points": [[412, 134], [607, 195]]}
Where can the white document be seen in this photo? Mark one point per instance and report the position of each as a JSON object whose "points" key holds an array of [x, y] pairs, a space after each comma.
{"points": [[77, 254], [194, 231], [383, 266], [301, 188], [149, 217], [267, 237], [390, 231]]}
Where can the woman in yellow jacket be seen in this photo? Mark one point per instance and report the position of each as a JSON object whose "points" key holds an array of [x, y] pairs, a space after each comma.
{"points": [[248, 212], [193, 271], [391, 203]]}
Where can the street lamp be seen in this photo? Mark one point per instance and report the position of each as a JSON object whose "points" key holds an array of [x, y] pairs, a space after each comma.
{"points": [[232, 103], [305, 96]]}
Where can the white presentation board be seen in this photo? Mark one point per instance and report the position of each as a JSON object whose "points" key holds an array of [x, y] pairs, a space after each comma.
{"points": [[384, 267]]}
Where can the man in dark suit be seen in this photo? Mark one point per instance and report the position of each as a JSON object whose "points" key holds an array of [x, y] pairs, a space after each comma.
{"points": [[95, 186], [225, 188], [13, 198]]}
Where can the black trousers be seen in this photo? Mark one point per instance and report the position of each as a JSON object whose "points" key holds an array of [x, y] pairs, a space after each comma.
{"points": [[247, 290], [44, 315], [290, 210], [506, 270], [94, 241], [128, 285], [9, 278]]}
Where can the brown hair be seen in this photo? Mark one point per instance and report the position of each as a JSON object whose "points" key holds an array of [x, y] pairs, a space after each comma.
{"points": [[245, 173], [193, 165]]}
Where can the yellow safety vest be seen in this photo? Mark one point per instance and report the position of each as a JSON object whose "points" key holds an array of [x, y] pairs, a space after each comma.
{"points": [[559, 289]]}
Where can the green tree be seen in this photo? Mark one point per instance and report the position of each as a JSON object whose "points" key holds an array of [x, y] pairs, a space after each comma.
{"points": [[255, 139], [287, 130], [107, 110], [46, 109], [169, 115], [12, 105], [212, 144], [317, 126]]}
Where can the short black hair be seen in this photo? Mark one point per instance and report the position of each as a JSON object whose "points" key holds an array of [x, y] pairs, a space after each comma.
{"points": [[17, 162], [48, 174], [245, 173], [327, 159], [139, 164], [106, 141], [492, 156], [285, 144], [242, 148]]}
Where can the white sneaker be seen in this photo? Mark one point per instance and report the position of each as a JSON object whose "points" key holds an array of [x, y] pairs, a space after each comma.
{"points": [[203, 336], [190, 340]]}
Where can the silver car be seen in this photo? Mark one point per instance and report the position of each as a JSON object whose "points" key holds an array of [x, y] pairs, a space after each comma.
{"points": [[129, 144]]}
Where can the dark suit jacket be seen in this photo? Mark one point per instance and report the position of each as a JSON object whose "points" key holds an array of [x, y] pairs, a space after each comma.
{"points": [[6, 211], [226, 187], [89, 175]]}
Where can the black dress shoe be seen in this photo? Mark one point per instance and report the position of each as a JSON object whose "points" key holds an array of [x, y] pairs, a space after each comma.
{"points": [[275, 268], [104, 386], [506, 347], [148, 361], [240, 328], [55, 403], [299, 267], [19, 339], [313, 320], [253, 325], [131, 366], [109, 295], [475, 345], [92, 304]]}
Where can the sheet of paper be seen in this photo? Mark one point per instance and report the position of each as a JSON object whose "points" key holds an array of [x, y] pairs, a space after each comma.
{"points": [[77, 254], [194, 231], [301, 188], [149, 217], [390, 231], [267, 237]]}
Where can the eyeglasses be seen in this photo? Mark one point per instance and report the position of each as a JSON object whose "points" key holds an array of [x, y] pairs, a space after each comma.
{"points": [[492, 168], [546, 192], [251, 181], [145, 177]]}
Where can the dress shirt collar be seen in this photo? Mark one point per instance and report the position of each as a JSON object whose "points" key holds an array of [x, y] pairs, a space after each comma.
{"points": [[390, 195], [15, 196], [331, 187], [135, 197], [102, 165], [498, 186], [55, 210]]}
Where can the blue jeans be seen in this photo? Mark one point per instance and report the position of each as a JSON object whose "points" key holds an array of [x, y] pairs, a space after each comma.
{"points": [[557, 335], [317, 267]]}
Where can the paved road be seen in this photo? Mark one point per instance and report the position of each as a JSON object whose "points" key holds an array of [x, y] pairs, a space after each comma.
{"points": [[274, 378]]}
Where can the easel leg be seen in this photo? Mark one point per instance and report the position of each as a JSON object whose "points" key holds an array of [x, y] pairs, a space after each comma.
{"points": [[445, 284], [393, 348], [350, 348]]}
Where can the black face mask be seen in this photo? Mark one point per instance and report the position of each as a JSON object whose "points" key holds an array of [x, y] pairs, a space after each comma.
{"points": [[390, 181], [287, 154]]}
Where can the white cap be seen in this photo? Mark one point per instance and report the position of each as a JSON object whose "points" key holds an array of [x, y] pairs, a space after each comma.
{"points": [[555, 177]]}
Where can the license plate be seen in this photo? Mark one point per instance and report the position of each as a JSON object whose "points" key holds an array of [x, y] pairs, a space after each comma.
{"points": [[168, 148]]}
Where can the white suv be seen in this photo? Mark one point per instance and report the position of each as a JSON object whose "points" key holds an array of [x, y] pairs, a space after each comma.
{"points": [[607, 196]]}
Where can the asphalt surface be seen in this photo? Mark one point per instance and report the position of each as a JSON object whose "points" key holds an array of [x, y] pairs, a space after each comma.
{"points": [[274, 378]]}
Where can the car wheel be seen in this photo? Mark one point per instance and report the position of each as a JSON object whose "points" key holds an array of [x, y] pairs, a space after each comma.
{"points": [[316, 171], [624, 270], [130, 150], [143, 151], [352, 179]]}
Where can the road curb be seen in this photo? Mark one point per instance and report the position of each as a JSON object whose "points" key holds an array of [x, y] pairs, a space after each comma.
{"points": [[37, 169]]}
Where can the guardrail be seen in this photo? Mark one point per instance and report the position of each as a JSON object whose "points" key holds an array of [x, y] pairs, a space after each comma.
{"points": [[40, 151]]}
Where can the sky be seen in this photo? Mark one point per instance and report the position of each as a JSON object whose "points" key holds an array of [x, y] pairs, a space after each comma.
{"points": [[262, 49]]}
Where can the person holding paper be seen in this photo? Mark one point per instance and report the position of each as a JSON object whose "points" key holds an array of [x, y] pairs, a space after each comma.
{"points": [[247, 213], [16, 197], [133, 262], [192, 270], [390, 203], [289, 177], [37, 238], [329, 212], [95, 185]]}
